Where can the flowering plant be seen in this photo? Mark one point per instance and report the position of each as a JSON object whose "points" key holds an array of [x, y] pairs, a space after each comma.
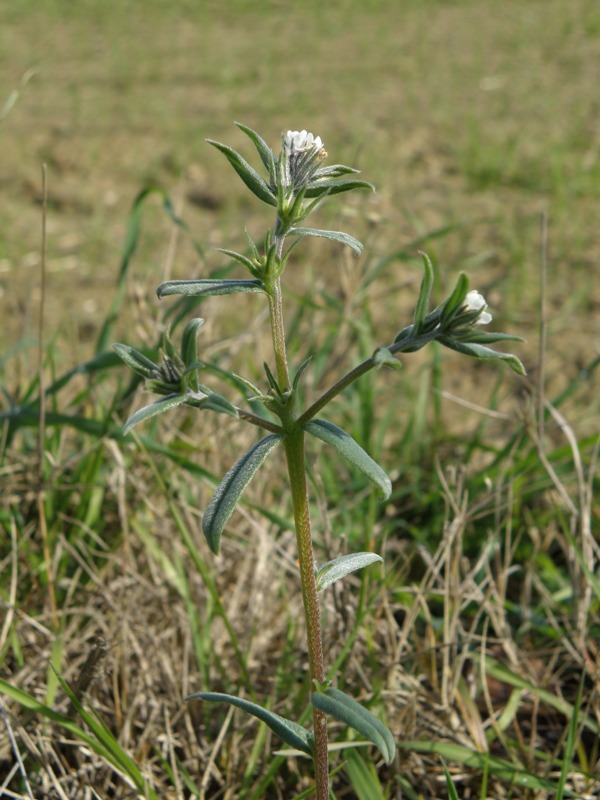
{"points": [[296, 183]]}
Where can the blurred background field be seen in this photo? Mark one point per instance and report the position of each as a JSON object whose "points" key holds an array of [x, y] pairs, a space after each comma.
{"points": [[474, 120]]}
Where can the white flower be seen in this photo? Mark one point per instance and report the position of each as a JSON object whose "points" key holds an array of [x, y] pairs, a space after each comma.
{"points": [[474, 301], [301, 155], [302, 140]]}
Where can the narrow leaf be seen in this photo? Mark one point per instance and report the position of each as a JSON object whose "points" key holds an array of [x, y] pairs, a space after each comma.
{"points": [[207, 286], [136, 360], [334, 171], [231, 488], [344, 708], [475, 336], [456, 299], [215, 402], [351, 451], [248, 174], [158, 407], [337, 236], [263, 149], [424, 293], [337, 569], [481, 352], [325, 186], [290, 732], [240, 258], [189, 347]]}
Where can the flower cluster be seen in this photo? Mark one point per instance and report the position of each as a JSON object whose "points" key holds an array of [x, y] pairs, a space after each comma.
{"points": [[301, 154]]}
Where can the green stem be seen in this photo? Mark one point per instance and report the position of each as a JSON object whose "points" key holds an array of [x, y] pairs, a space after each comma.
{"points": [[278, 332], [408, 345], [294, 450]]}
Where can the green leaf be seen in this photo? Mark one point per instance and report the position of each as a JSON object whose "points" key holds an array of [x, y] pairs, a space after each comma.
{"points": [[481, 352], [231, 488], [158, 407], [250, 266], [456, 299], [351, 451], [477, 336], [424, 293], [344, 708], [208, 286], [263, 149], [334, 171], [290, 732], [248, 174], [189, 350], [337, 569], [136, 360], [337, 236], [214, 402], [317, 188]]}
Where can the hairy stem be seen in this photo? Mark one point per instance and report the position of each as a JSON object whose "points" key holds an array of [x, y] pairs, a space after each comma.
{"points": [[294, 449], [278, 332], [410, 344]]}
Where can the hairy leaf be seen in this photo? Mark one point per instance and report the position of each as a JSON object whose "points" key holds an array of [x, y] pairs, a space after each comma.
{"points": [[344, 708], [290, 732], [481, 352], [208, 286], [351, 451], [337, 569], [337, 236], [424, 293], [158, 407], [231, 488], [257, 185]]}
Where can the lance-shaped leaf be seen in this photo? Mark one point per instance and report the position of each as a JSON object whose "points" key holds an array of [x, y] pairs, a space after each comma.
{"points": [[250, 266], [481, 352], [263, 149], [424, 293], [337, 569], [290, 732], [337, 236], [209, 401], [248, 174], [456, 299], [351, 451], [208, 286], [158, 407], [136, 360], [344, 708], [478, 336], [189, 351], [334, 171], [231, 488], [319, 187]]}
